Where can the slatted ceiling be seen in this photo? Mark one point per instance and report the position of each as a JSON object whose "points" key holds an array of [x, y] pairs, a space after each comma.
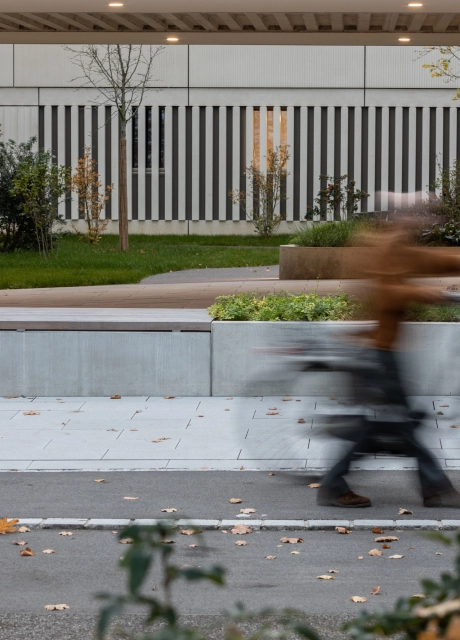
{"points": [[310, 21], [364, 21], [442, 22], [283, 21], [417, 21], [256, 21], [337, 21], [145, 19], [114, 159]]}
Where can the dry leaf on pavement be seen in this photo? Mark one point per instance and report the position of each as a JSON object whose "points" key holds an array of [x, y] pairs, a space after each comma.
{"points": [[360, 558], [26, 552], [272, 413], [270, 557], [286, 399], [314, 485], [325, 577], [301, 420], [169, 397], [115, 397], [116, 430], [421, 596], [20, 543], [342, 530], [130, 498], [65, 533], [21, 529], [386, 546], [386, 539], [56, 607], [241, 529], [248, 510], [166, 541], [375, 590], [272, 473], [395, 557], [405, 512], [358, 599], [189, 532], [241, 543], [377, 530], [443, 405], [291, 540], [241, 468], [235, 500], [31, 413], [375, 552], [161, 439], [7, 526], [295, 553], [224, 531], [438, 553], [48, 551], [100, 480], [333, 571], [169, 510], [272, 408], [126, 541], [192, 546]]}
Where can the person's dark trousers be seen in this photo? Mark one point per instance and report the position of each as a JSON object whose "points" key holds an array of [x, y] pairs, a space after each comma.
{"points": [[373, 436]]}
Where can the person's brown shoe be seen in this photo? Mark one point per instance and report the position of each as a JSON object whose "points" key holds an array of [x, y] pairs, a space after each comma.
{"points": [[450, 499], [349, 500]]}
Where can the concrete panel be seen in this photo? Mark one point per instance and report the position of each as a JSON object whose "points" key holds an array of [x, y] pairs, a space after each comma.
{"points": [[7, 65], [185, 227], [91, 363], [84, 96], [430, 357], [276, 66], [400, 67], [18, 97], [50, 65], [290, 97], [410, 97]]}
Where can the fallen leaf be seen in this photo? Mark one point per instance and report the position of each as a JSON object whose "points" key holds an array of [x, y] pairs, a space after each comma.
{"points": [[26, 552], [358, 599], [56, 607], [443, 405], [455, 426], [375, 552], [375, 590], [332, 398], [48, 551], [333, 571], [241, 529], [201, 416], [189, 532], [386, 539], [100, 480], [114, 532], [241, 468], [20, 530], [227, 409], [224, 531], [386, 546], [31, 413], [229, 398], [169, 397], [192, 546], [295, 553], [421, 596], [270, 557], [161, 439], [235, 500], [439, 413], [272, 413], [65, 533], [169, 510], [377, 530], [272, 473], [166, 541], [116, 430], [301, 420], [272, 408], [438, 553], [405, 512], [248, 510], [115, 397], [291, 540], [395, 557], [7, 526], [314, 485], [241, 543], [130, 498], [287, 399], [20, 543], [360, 558], [133, 429], [325, 577], [126, 541], [342, 530]]}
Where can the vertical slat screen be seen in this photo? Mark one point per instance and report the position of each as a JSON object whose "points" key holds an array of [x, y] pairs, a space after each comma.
{"points": [[155, 162], [439, 139], [371, 159], [48, 127], [101, 152], [141, 163], [195, 163], [115, 168], [249, 149], [411, 156], [182, 164], [129, 167], [209, 162], [303, 161], [277, 139], [236, 159], [425, 150], [357, 146], [316, 152], [290, 166], [222, 163], [61, 150], [384, 159], [74, 155]]}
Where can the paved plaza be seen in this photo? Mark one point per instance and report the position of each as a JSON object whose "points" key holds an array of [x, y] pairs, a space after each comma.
{"points": [[150, 433]]}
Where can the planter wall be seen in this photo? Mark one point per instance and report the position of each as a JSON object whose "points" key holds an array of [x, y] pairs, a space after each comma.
{"points": [[330, 263]]}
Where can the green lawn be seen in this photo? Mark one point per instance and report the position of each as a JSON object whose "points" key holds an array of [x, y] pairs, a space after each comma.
{"points": [[77, 263]]}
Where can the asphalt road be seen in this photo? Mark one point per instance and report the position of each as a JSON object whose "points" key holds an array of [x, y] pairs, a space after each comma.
{"points": [[205, 495], [86, 563]]}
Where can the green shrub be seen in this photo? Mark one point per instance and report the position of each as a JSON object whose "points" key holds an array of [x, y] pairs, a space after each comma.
{"points": [[326, 234], [308, 307]]}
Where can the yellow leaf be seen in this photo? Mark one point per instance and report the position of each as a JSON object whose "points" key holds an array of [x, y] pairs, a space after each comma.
{"points": [[169, 397], [100, 480], [375, 590], [22, 529], [295, 553], [7, 526]]}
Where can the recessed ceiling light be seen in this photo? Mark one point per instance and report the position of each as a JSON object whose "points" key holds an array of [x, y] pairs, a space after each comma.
{"points": [[415, 4], [404, 39], [115, 4], [172, 39]]}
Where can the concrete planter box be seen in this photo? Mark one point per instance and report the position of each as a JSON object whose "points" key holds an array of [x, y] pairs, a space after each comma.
{"points": [[435, 370], [330, 263]]}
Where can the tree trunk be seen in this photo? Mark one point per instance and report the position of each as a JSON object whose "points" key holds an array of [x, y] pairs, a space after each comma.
{"points": [[123, 197]]}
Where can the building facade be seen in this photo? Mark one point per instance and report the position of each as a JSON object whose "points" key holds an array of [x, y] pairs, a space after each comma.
{"points": [[370, 112]]}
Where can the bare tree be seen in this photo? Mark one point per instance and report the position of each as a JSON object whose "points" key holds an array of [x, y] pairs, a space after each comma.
{"points": [[121, 73], [447, 66]]}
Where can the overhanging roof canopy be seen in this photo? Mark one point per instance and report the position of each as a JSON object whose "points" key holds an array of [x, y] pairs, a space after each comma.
{"points": [[352, 22]]}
